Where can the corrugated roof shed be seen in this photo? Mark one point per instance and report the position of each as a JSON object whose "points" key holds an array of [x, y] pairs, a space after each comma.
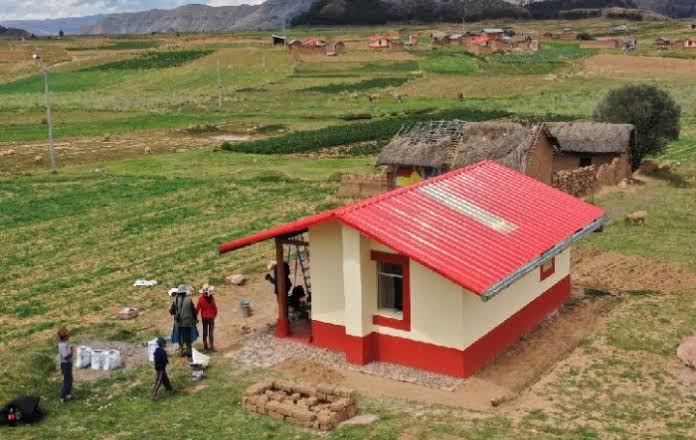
{"points": [[482, 227]]}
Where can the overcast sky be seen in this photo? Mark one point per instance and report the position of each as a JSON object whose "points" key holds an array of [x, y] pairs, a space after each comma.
{"points": [[39, 9]]}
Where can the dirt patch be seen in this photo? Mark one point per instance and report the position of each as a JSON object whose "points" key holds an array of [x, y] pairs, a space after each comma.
{"points": [[535, 354], [640, 67], [620, 273], [310, 371], [132, 356]]}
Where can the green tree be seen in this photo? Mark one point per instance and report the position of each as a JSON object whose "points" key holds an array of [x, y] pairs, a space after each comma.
{"points": [[650, 109]]}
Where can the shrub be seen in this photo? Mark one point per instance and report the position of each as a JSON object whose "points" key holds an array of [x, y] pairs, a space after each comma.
{"points": [[651, 110]]}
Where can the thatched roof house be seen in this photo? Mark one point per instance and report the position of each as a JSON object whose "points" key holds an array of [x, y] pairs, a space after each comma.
{"points": [[581, 144], [592, 137], [433, 148]]}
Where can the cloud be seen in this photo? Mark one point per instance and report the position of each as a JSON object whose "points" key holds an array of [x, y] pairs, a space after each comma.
{"points": [[42, 9]]}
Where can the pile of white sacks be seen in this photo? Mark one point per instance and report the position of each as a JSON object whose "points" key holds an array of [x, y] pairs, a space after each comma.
{"points": [[88, 357]]}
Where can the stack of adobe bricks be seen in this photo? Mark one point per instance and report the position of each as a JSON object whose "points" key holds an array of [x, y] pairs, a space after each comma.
{"points": [[319, 407]]}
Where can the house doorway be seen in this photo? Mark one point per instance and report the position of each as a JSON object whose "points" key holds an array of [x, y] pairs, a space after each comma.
{"points": [[293, 284]]}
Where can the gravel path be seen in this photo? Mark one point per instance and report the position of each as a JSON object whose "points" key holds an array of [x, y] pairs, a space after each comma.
{"points": [[262, 350]]}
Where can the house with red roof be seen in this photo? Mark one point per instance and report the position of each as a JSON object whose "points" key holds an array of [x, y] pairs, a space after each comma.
{"points": [[379, 42], [442, 275]]}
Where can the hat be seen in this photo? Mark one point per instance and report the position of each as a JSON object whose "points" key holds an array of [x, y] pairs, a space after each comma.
{"points": [[182, 289], [173, 291], [207, 288], [271, 265], [161, 341]]}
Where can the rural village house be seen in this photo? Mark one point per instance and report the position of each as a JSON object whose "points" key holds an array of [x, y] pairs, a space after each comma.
{"points": [[379, 42], [581, 144], [443, 275], [431, 149]]}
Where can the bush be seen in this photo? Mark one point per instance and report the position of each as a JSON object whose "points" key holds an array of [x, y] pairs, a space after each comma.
{"points": [[651, 110], [584, 36]]}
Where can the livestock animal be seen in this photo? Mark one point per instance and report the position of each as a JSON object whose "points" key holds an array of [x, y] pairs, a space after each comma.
{"points": [[637, 218]]}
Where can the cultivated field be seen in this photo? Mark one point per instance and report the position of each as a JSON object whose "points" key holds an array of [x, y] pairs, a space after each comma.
{"points": [[73, 243]]}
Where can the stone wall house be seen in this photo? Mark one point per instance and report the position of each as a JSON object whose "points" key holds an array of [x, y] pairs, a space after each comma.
{"points": [[582, 144]]}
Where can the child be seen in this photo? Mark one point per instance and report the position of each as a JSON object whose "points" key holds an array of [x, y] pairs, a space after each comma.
{"points": [[161, 361], [208, 309], [65, 351]]}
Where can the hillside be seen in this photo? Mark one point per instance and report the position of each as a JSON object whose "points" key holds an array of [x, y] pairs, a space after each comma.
{"points": [[13, 33], [69, 25], [200, 18], [326, 12], [547, 9]]}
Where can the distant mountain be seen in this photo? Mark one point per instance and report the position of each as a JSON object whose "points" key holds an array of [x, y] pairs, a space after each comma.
{"points": [[273, 14], [12, 33], [70, 25], [327, 12], [545, 9]]}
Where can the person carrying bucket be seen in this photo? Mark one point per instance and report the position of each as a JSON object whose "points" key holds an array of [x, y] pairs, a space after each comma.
{"points": [[208, 310]]}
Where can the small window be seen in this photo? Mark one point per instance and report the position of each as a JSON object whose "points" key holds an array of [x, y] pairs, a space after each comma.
{"points": [[390, 285], [548, 268], [393, 291], [585, 161]]}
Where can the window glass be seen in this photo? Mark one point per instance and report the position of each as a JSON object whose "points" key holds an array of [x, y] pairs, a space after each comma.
{"points": [[390, 280]]}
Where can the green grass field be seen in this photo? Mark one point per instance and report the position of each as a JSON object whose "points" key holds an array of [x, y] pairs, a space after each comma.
{"points": [[74, 242]]}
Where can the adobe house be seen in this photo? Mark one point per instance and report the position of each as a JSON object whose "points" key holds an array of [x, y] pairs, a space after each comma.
{"points": [[443, 275], [433, 148], [494, 33], [581, 144], [379, 42], [690, 43]]}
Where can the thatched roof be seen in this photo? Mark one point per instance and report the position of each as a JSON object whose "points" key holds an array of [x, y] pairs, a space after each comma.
{"points": [[455, 144], [591, 137]]}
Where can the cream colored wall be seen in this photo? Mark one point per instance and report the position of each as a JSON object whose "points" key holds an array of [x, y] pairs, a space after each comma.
{"points": [[436, 304], [326, 270], [481, 317], [344, 292]]}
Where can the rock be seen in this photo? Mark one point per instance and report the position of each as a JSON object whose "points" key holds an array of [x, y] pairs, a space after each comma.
{"points": [[38, 159], [687, 351], [237, 279], [181, 150], [497, 401], [106, 138], [363, 419]]}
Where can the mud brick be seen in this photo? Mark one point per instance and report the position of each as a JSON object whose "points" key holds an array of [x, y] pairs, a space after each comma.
{"points": [[303, 415], [321, 396], [269, 393], [303, 389], [273, 406], [351, 411], [283, 385], [261, 399], [325, 419], [252, 408], [311, 401], [315, 424], [340, 416], [346, 392], [276, 415], [325, 389], [339, 404], [286, 409], [295, 397], [331, 398]]}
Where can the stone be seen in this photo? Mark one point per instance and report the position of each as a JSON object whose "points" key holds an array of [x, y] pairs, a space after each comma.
{"points": [[363, 419], [237, 279], [276, 415], [687, 351]]}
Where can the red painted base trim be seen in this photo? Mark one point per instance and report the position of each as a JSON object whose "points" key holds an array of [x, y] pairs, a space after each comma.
{"points": [[431, 357]]}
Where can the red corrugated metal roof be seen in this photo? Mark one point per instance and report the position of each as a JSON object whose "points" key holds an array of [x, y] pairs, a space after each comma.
{"points": [[481, 226]]}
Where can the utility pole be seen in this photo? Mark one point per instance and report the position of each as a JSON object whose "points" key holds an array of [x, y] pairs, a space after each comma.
{"points": [[219, 84], [49, 120]]}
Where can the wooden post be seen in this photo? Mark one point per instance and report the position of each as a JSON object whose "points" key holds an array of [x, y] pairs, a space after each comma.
{"points": [[283, 329]]}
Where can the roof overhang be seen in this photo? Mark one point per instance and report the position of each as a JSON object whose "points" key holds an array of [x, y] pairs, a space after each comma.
{"points": [[524, 270]]}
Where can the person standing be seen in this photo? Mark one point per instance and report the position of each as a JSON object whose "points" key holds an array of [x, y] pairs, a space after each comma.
{"points": [[161, 362], [185, 315], [65, 352], [208, 310]]}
